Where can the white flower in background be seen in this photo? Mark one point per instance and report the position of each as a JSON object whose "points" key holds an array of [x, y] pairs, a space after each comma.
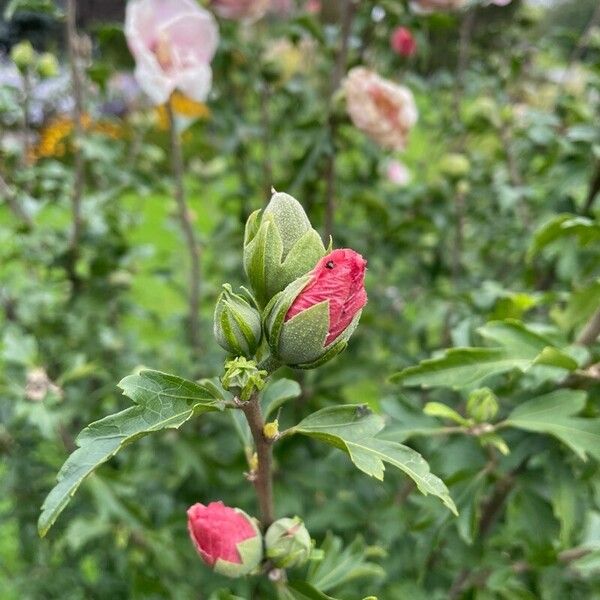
{"points": [[173, 43]]}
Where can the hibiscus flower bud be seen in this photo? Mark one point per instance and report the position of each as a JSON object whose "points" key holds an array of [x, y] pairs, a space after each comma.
{"points": [[403, 42], [280, 245], [227, 539], [288, 543], [312, 320], [237, 325]]}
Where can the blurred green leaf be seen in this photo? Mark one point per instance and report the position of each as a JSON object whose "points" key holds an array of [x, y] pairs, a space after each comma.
{"points": [[465, 367], [586, 230], [340, 565], [552, 414]]}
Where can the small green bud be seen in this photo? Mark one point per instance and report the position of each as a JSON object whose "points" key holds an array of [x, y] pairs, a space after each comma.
{"points": [[288, 543], [242, 377], [280, 245], [23, 55], [237, 325], [455, 165], [47, 65], [482, 405]]}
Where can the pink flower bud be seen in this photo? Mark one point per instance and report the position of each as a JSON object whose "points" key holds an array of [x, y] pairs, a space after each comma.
{"points": [[403, 42], [339, 278], [226, 538]]}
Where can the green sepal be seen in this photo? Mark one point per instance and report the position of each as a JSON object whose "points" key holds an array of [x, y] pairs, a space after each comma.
{"points": [[251, 553], [300, 342]]}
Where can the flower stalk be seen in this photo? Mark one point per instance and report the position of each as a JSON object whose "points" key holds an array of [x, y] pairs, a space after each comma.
{"points": [[191, 241], [263, 476]]}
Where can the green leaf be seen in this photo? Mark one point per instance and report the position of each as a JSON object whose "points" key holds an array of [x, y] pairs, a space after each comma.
{"points": [[278, 393], [552, 414], [586, 230], [340, 565], [352, 428], [443, 411], [465, 367], [300, 590], [162, 402]]}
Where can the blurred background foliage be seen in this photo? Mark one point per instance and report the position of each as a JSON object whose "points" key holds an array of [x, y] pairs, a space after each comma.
{"points": [[498, 221]]}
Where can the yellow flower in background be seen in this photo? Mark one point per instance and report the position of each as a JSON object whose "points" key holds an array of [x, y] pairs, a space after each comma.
{"points": [[53, 140], [183, 106]]}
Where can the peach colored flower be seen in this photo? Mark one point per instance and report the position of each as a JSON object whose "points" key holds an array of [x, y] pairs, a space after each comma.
{"points": [[384, 110], [241, 9], [173, 42]]}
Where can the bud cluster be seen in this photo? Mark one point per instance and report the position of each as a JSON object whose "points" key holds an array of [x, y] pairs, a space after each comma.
{"points": [[26, 59], [230, 543], [305, 301]]}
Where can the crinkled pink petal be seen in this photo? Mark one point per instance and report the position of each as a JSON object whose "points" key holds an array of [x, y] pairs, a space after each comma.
{"points": [[339, 279], [216, 530]]}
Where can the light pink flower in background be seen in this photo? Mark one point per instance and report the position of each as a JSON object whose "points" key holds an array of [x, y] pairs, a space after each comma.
{"points": [[384, 110], [282, 8], [173, 43], [428, 6], [397, 173], [313, 6], [241, 9]]}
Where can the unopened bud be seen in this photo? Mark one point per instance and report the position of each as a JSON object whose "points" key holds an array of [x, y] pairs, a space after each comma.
{"points": [[288, 543]]}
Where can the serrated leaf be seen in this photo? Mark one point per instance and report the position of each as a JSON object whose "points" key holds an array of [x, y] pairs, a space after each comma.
{"points": [[162, 402], [552, 414], [459, 368], [352, 428]]}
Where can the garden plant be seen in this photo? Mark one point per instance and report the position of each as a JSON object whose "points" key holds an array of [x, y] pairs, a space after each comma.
{"points": [[300, 299]]}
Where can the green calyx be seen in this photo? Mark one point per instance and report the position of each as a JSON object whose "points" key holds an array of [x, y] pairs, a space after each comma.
{"points": [[280, 245], [300, 342], [288, 543], [251, 553], [237, 323]]}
